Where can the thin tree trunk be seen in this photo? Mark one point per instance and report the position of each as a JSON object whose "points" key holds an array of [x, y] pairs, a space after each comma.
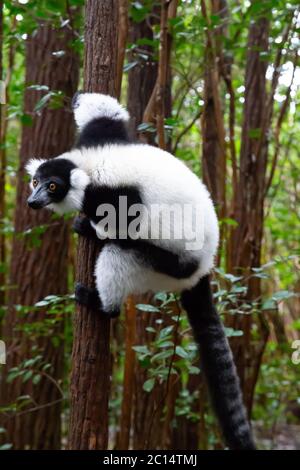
{"points": [[129, 370], [247, 237], [90, 378], [40, 271], [2, 165], [142, 77], [214, 149], [122, 39]]}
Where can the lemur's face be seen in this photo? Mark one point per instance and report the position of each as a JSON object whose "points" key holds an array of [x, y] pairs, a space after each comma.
{"points": [[56, 183]]}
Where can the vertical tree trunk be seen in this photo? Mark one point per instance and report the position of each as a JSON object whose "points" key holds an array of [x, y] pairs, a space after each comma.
{"points": [[90, 377], [141, 81], [142, 86], [213, 150], [40, 271], [142, 77], [2, 165], [247, 237]]}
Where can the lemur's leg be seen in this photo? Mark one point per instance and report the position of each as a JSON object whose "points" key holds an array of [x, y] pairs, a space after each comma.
{"points": [[160, 259], [117, 273], [89, 297]]}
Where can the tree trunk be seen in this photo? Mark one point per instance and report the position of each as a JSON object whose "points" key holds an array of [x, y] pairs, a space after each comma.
{"points": [[247, 237], [142, 77], [2, 165], [213, 149], [90, 378], [40, 271]]}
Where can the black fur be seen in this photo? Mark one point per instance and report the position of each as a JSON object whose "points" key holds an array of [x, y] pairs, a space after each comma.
{"points": [[218, 366], [60, 167], [96, 195], [160, 259], [89, 297], [82, 226], [103, 131]]}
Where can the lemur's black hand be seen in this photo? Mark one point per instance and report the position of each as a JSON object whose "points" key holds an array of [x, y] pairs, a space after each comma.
{"points": [[82, 226]]}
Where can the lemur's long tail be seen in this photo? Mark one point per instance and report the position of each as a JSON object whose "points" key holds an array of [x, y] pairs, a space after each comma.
{"points": [[218, 366]]}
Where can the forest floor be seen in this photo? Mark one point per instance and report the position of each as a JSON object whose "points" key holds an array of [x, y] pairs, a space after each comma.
{"points": [[281, 437]]}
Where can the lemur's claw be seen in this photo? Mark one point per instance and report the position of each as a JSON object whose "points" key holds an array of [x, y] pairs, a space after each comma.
{"points": [[82, 226], [89, 297]]}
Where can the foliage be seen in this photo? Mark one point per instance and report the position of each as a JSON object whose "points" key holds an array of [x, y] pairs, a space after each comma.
{"points": [[171, 354]]}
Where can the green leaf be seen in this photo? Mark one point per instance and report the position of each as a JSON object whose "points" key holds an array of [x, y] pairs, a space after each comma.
{"points": [[165, 344], [146, 126], [254, 133], [36, 379], [6, 446], [148, 385], [232, 332], [27, 376], [130, 66], [165, 332], [162, 355], [147, 308], [283, 295], [181, 352], [141, 349], [42, 102]]}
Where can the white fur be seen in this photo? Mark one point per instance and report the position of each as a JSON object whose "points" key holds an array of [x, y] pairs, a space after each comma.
{"points": [[33, 165], [73, 201], [161, 178], [90, 106]]}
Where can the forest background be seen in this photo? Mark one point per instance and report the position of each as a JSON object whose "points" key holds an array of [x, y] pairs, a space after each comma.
{"points": [[216, 82]]}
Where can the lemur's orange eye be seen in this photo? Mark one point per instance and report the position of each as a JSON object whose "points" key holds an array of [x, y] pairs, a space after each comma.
{"points": [[52, 187], [34, 183]]}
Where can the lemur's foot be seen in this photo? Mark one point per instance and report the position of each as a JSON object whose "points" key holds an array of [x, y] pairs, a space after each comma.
{"points": [[89, 297], [82, 226]]}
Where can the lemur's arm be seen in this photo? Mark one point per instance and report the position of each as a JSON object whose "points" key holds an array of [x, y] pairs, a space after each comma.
{"points": [[82, 226], [160, 259]]}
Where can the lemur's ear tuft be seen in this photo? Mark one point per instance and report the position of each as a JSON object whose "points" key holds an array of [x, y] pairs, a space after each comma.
{"points": [[32, 166], [75, 99], [79, 179]]}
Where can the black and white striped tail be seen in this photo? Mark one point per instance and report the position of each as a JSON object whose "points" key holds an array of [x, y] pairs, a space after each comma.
{"points": [[218, 366]]}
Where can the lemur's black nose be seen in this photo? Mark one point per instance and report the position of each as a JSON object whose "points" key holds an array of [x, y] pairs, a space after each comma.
{"points": [[75, 101], [34, 204]]}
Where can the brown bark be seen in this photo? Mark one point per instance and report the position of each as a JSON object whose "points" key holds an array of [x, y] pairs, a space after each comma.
{"points": [[90, 378], [159, 103], [129, 370], [247, 237], [122, 39], [2, 167], [213, 149], [42, 270], [142, 77]]}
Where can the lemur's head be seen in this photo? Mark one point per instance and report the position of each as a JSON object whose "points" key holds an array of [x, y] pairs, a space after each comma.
{"points": [[90, 106], [57, 184]]}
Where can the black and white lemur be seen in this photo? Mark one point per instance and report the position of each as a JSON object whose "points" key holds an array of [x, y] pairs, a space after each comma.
{"points": [[105, 168]]}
